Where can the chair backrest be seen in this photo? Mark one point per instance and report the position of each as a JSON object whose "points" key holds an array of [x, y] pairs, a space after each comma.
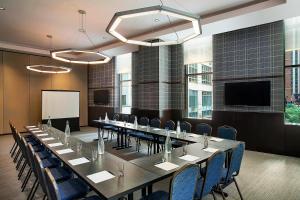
{"points": [[213, 172], [186, 126], [40, 172], [131, 118], [235, 162], [52, 188], [155, 122], [203, 128], [24, 146], [125, 118], [31, 153], [227, 132], [183, 183], [116, 117], [144, 121], [170, 125]]}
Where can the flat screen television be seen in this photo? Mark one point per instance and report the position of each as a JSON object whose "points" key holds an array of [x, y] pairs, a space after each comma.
{"points": [[256, 93], [101, 97]]}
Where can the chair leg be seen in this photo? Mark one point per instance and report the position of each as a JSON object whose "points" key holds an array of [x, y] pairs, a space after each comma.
{"points": [[22, 169], [12, 147], [14, 151], [35, 184], [213, 194], [237, 187], [17, 155], [222, 193], [45, 196], [19, 162], [26, 179]]}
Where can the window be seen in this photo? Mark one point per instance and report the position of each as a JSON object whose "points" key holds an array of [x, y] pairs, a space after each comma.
{"points": [[199, 69], [123, 69], [292, 71]]}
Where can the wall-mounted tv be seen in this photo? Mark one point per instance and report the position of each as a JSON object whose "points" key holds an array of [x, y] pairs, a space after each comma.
{"points": [[256, 93], [101, 97]]}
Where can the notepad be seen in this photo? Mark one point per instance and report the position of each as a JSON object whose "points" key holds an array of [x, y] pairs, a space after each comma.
{"points": [[189, 158], [34, 129], [216, 139], [156, 129], [194, 135], [143, 126], [55, 144], [100, 176], [166, 166], [30, 127], [48, 138], [173, 132], [64, 151], [211, 150], [78, 161], [41, 135], [38, 131]]}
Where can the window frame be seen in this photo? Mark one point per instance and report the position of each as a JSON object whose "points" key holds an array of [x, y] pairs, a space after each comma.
{"points": [[187, 75]]}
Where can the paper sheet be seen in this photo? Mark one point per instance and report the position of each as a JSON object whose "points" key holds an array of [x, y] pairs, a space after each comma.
{"points": [[64, 151], [156, 129], [211, 150], [30, 127], [48, 138], [100, 176], [55, 144], [216, 139], [33, 129], [194, 135], [166, 166], [189, 158], [78, 161], [41, 135]]}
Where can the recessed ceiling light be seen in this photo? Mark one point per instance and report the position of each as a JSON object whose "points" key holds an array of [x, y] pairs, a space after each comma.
{"points": [[156, 20], [2, 8]]}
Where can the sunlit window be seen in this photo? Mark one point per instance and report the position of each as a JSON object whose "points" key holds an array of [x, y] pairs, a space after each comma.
{"points": [[199, 69]]}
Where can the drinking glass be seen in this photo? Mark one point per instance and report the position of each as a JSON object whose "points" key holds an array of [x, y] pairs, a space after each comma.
{"points": [[121, 168], [94, 154], [184, 133], [79, 147]]}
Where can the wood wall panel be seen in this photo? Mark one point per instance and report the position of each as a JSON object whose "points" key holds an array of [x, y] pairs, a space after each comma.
{"points": [[38, 82], [16, 90], [20, 89], [1, 93]]}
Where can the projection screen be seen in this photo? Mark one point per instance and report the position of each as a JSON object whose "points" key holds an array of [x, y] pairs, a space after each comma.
{"points": [[60, 104]]}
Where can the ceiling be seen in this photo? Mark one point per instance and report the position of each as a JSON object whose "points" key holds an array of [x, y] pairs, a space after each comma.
{"points": [[26, 23]]}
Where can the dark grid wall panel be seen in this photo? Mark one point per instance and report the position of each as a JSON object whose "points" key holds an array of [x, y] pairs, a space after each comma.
{"points": [[177, 86], [102, 77], [145, 78], [251, 54]]}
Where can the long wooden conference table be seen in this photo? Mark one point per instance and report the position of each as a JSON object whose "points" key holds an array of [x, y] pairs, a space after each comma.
{"points": [[112, 177]]}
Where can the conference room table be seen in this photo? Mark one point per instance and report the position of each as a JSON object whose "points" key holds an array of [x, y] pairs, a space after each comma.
{"points": [[126, 177]]}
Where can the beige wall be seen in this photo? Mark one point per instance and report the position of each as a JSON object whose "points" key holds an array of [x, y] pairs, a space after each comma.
{"points": [[20, 89]]}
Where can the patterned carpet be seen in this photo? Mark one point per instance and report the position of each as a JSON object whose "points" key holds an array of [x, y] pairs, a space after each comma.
{"points": [[262, 177]]}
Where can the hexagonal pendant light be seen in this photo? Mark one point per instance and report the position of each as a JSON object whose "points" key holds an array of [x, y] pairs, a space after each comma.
{"points": [[57, 55], [120, 16]]}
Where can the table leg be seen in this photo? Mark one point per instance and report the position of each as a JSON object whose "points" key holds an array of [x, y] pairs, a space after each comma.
{"points": [[130, 196], [149, 189], [144, 192]]}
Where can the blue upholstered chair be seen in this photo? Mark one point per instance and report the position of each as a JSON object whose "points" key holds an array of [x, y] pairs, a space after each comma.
{"points": [[182, 185], [144, 121], [73, 188], [59, 173], [170, 124], [203, 128], [212, 176], [155, 122], [233, 169], [227, 132], [110, 129], [184, 126]]}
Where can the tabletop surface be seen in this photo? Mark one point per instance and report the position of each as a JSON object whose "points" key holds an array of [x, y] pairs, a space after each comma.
{"points": [[131, 175]]}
